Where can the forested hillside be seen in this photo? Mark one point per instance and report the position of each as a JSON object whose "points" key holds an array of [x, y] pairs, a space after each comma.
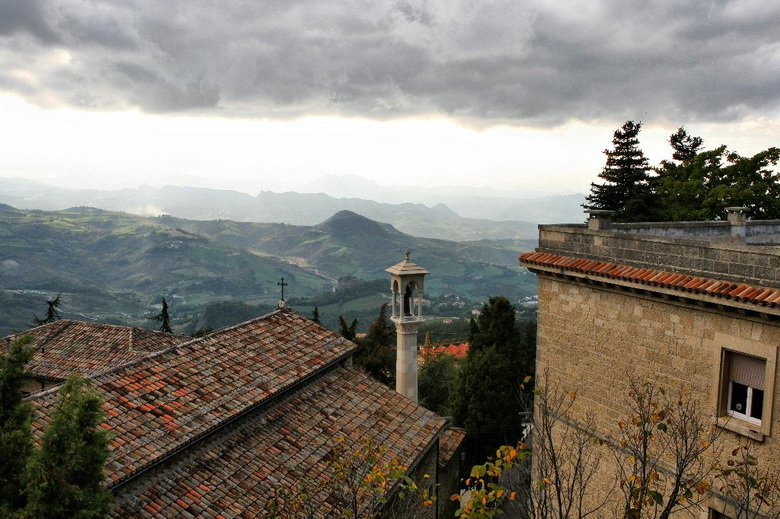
{"points": [[114, 267]]}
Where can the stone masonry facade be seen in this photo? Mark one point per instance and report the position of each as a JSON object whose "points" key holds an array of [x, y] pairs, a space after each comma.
{"points": [[604, 322]]}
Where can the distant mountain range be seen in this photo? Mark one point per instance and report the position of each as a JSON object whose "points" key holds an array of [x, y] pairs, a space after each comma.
{"points": [[114, 267], [490, 203], [492, 218]]}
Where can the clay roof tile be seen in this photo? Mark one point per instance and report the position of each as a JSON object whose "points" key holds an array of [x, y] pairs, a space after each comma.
{"points": [[674, 280]]}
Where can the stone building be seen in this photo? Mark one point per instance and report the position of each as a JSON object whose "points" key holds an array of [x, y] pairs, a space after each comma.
{"points": [[210, 427], [691, 306]]}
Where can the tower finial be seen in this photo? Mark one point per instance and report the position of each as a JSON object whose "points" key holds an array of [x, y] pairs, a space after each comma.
{"points": [[407, 254]]}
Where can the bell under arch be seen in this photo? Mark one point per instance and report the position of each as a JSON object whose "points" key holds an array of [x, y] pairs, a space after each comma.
{"points": [[407, 285]]}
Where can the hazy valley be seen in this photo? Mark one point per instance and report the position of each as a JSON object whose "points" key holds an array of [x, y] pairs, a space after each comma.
{"points": [[114, 267]]}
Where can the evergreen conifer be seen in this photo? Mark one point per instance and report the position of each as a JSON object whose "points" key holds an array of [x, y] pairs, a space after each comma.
{"points": [[163, 318], [65, 474], [52, 312], [626, 188], [16, 441]]}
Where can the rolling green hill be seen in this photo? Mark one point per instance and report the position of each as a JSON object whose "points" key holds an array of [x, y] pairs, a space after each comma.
{"points": [[114, 267]]}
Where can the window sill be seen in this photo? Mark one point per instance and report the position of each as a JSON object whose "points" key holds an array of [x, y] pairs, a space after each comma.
{"points": [[741, 427]]}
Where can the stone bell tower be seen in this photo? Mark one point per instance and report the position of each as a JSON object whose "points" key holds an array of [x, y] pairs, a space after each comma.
{"points": [[406, 281]]}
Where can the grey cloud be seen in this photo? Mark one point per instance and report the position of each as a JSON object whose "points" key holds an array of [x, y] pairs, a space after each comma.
{"points": [[415, 14], [25, 17], [533, 61]]}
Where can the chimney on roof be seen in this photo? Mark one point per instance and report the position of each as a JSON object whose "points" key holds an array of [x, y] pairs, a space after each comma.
{"points": [[599, 219], [406, 283], [737, 217]]}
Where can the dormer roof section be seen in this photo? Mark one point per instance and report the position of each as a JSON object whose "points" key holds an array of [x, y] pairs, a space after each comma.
{"points": [[65, 347]]}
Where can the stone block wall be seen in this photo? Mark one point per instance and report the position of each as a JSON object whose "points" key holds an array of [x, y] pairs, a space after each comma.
{"points": [[594, 340]]}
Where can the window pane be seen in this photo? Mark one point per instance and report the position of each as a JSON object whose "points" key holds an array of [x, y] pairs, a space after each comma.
{"points": [[756, 403], [738, 400]]}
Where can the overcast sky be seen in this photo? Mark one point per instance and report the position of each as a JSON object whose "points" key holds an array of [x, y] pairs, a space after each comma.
{"points": [[270, 94]]}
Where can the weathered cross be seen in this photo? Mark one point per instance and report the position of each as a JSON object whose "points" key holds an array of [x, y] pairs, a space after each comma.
{"points": [[282, 284]]}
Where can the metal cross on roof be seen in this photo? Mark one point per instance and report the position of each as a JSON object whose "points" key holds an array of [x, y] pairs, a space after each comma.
{"points": [[282, 284]]}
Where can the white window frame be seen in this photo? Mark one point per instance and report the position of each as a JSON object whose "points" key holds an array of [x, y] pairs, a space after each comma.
{"points": [[722, 346], [748, 405]]}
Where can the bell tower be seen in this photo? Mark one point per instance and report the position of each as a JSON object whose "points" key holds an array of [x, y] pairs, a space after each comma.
{"points": [[406, 283]]}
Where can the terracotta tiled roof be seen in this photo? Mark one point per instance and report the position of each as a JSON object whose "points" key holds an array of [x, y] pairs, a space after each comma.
{"points": [[166, 401], [233, 474], [459, 351], [65, 347], [685, 283], [449, 443]]}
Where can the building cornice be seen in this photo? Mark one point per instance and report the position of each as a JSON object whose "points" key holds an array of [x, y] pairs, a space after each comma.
{"points": [[739, 296]]}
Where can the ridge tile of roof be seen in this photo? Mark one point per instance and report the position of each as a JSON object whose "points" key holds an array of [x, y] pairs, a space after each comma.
{"points": [[756, 295], [163, 402]]}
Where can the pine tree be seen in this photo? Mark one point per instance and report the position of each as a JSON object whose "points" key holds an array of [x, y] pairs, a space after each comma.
{"points": [[316, 315], [163, 317], [65, 474], [377, 356], [626, 189], [699, 185], [501, 353], [750, 182], [685, 146], [16, 440], [426, 350], [437, 383], [484, 403], [495, 326], [349, 332], [52, 312], [683, 183]]}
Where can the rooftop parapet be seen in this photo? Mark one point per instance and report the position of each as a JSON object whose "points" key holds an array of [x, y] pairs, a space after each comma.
{"points": [[736, 249]]}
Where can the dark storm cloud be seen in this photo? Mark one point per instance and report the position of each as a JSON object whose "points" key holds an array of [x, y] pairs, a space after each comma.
{"points": [[540, 62], [25, 16]]}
